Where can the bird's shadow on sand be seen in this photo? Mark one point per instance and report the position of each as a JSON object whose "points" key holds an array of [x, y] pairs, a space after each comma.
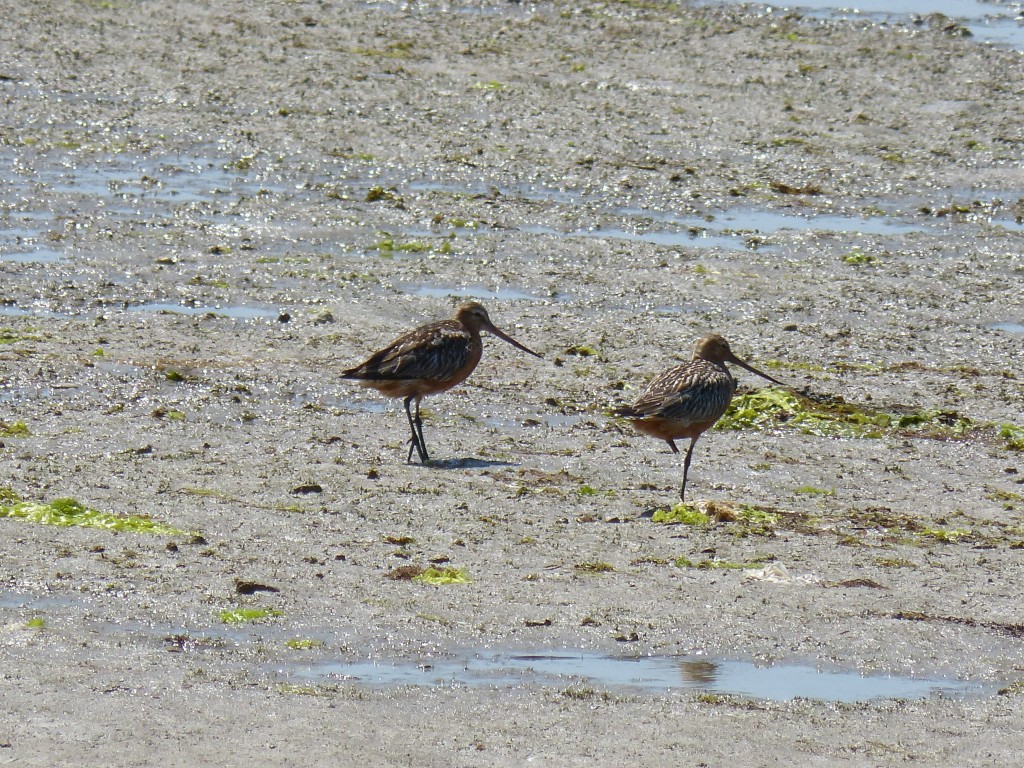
{"points": [[466, 463]]}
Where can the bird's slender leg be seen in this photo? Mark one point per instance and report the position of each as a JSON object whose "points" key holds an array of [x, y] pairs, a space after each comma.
{"points": [[415, 443], [419, 432], [686, 469]]}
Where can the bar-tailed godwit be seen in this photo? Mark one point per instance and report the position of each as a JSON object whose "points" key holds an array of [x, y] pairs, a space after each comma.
{"points": [[687, 400], [427, 360]]}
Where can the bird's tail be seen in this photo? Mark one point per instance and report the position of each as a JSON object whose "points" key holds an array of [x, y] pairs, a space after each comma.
{"points": [[366, 373], [627, 412]]}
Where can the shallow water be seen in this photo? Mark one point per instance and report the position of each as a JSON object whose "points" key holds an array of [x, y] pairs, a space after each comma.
{"points": [[779, 682], [11, 310], [143, 190], [728, 230], [783, 681], [36, 256], [503, 293], [988, 22], [699, 239], [235, 312], [767, 222], [535, 193], [1008, 327], [17, 394]]}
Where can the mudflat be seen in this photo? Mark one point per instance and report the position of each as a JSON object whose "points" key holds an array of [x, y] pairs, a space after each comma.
{"points": [[210, 210]]}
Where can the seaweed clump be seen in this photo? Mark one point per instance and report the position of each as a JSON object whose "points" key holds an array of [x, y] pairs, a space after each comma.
{"points": [[1013, 436], [681, 514], [770, 408], [14, 429], [68, 512], [439, 576], [245, 615]]}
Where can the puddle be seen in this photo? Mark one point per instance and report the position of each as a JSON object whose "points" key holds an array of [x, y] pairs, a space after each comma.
{"points": [[38, 256], [169, 179], [505, 293], [1008, 327], [10, 601], [700, 239], [531, 192], [986, 21], [752, 220], [768, 222], [72, 193], [1011, 224], [558, 668], [13, 311], [730, 230], [20, 394], [53, 607], [234, 312], [780, 682]]}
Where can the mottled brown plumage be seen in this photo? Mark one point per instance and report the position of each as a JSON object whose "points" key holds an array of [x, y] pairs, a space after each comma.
{"points": [[427, 360], [687, 400]]}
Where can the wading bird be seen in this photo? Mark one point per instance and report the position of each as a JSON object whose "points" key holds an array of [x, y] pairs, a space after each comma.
{"points": [[687, 400], [427, 360]]}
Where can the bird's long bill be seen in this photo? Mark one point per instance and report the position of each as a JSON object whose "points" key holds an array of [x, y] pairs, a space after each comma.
{"points": [[752, 369], [491, 328]]}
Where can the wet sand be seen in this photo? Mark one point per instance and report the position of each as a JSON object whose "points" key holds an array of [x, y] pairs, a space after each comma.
{"points": [[209, 213]]}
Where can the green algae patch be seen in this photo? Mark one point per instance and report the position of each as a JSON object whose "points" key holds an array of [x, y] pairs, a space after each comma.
{"points": [[858, 258], [304, 644], [36, 623], [681, 514], [770, 408], [946, 535], [751, 521], [742, 519], [68, 512], [932, 423], [582, 350], [758, 517], [387, 247], [594, 567], [16, 429], [440, 576], [1012, 436], [246, 615]]}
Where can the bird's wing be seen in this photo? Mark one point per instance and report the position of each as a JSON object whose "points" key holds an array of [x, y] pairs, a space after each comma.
{"points": [[686, 393], [431, 352]]}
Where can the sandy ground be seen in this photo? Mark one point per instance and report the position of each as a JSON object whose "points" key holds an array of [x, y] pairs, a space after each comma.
{"points": [[300, 182]]}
